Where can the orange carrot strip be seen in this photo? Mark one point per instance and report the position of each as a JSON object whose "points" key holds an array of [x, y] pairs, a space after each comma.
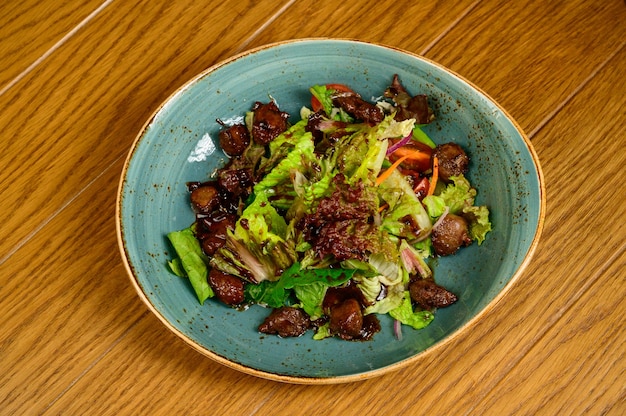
{"points": [[412, 154], [434, 177], [381, 178]]}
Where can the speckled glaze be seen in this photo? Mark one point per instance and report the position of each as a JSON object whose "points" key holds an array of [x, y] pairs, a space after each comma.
{"points": [[153, 201]]}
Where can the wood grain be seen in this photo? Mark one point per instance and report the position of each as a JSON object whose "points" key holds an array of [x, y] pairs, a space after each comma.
{"points": [[586, 351], [202, 386], [411, 25], [68, 280], [31, 28], [76, 339], [70, 119], [541, 51], [570, 302]]}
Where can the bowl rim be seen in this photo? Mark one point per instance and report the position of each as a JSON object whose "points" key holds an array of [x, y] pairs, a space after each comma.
{"points": [[344, 378]]}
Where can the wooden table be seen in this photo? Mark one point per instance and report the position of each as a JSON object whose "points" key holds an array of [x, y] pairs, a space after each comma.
{"points": [[77, 82]]}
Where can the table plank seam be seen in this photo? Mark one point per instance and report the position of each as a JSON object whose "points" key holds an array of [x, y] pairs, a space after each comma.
{"points": [[58, 211], [542, 332], [575, 92], [242, 47], [451, 26], [55, 47], [95, 362]]}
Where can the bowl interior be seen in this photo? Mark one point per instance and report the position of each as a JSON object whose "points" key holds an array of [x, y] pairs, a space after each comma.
{"points": [[170, 151]]}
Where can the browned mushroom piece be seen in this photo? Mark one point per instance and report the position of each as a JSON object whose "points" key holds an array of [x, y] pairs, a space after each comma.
{"points": [[452, 159], [234, 140], [268, 122], [429, 295], [229, 289], [450, 234], [204, 198], [346, 319], [286, 321]]}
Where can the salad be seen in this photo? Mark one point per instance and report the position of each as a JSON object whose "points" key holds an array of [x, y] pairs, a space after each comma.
{"points": [[330, 221]]}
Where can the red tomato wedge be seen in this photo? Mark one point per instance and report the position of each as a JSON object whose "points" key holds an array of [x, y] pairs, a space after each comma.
{"points": [[315, 103]]}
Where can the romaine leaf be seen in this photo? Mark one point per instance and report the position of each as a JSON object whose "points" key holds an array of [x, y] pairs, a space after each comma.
{"points": [[405, 314], [258, 248], [288, 138], [406, 204], [323, 95], [193, 261], [235, 258], [176, 266], [301, 155]]}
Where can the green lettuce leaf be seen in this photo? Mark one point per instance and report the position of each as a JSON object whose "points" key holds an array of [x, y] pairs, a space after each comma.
{"points": [[435, 205], [360, 156], [266, 293], [458, 194], [311, 297], [405, 314], [393, 300], [176, 266], [274, 294], [260, 223], [323, 332], [405, 203], [323, 95], [287, 139], [193, 261], [264, 232], [258, 248], [479, 224], [298, 159]]}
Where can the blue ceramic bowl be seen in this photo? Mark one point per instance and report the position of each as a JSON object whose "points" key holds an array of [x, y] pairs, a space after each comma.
{"points": [[153, 201]]}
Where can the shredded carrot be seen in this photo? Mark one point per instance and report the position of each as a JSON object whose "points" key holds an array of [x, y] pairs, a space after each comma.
{"points": [[434, 177], [383, 207], [381, 178], [412, 153]]}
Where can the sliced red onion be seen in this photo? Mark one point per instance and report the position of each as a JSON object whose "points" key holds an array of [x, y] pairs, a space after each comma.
{"points": [[399, 143], [407, 259], [422, 272], [412, 263], [397, 329], [440, 219], [326, 125]]}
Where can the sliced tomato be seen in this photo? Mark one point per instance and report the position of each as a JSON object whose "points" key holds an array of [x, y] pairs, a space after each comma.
{"points": [[421, 189], [315, 103]]}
